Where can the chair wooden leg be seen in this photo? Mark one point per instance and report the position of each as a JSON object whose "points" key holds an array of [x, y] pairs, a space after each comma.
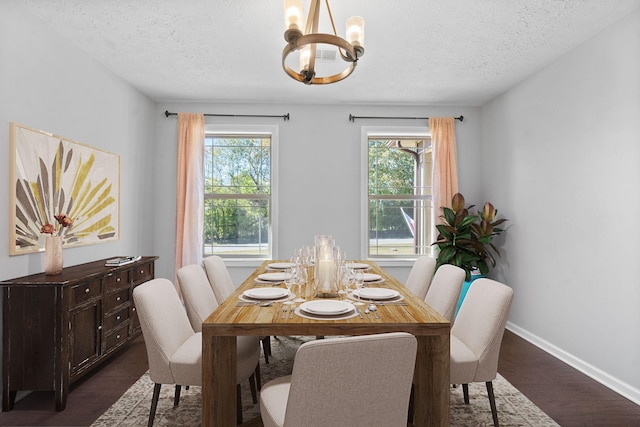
{"points": [[176, 396], [238, 405], [257, 374], [465, 393], [266, 348], [252, 386], [492, 402], [154, 403], [411, 407]]}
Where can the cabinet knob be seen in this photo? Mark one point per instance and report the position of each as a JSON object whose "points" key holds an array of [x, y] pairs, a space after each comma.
{"points": [[86, 291], [141, 271], [99, 327], [118, 336], [134, 309], [117, 317], [117, 279], [118, 299]]}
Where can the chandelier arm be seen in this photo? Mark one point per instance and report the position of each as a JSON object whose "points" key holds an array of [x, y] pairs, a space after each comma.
{"points": [[331, 18], [312, 18]]}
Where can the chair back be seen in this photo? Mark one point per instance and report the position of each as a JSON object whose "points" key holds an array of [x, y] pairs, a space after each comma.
{"points": [[363, 380], [219, 277], [198, 297], [444, 292], [420, 276], [165, 326], [480, 324]]}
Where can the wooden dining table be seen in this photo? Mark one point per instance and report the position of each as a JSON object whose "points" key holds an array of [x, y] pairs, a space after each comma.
{"points": [[229, 320]]}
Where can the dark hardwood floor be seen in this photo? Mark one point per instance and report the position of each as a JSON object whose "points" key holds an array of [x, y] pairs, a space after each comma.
{"points": [[569, 397]]}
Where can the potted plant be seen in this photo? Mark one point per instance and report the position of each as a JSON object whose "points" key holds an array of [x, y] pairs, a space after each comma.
{"points": [[464, 238]]}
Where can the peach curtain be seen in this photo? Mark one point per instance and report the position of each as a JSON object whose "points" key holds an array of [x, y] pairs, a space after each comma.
{"points": [[445, 169], [189, 190]]}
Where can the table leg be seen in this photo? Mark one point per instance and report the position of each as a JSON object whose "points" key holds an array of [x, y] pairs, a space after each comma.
{"points": [[431, 381], [218, 380]]}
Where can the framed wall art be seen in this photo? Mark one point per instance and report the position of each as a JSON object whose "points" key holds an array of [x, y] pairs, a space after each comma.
{"points": [[51, 175]]}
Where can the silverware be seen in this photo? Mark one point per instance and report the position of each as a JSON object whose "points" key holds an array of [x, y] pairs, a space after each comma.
{"points": [[394, 303], [366, 311], [374, 309], [261, 304], [291, 314], [360, 313], [284, 311]]}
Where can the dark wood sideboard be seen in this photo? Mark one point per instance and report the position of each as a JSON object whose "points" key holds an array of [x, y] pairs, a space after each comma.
{"points": [[58, 328]]}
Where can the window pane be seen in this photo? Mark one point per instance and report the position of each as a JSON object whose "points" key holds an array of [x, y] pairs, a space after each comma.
{"points": [[395, 227], [238, 165], [236, 227]]}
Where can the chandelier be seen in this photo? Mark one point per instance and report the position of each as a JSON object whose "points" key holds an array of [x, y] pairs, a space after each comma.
{"points": [[306, 43]]}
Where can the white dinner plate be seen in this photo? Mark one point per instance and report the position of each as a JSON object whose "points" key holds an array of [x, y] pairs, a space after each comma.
{"points": [[274, 277], [326, 308], [370, 277], [280, 265], [376, 293], [266, 293], [358, 265]]}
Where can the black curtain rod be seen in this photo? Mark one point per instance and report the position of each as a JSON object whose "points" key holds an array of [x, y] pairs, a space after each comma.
{"points": [[353, 118], [284, 116]]}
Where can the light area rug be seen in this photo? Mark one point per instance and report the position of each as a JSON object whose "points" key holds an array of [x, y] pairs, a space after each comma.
{"points": [[132, 409]]}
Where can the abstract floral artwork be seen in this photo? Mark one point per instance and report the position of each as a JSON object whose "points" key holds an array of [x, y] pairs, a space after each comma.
{"points": [[51, 175]]}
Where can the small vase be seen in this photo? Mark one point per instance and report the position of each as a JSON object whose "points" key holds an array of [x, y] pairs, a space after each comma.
{"points": [[52, 255]]}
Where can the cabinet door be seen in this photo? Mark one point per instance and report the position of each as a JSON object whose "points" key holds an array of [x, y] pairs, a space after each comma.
{"points": [[85, 336]]}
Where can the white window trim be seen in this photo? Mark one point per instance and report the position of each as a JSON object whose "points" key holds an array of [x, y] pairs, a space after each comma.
{"points": [[367, 132], [273, 131]]}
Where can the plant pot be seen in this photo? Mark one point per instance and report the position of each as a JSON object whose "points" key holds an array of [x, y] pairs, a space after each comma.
{"points": [[53, 255], [465, 287]]}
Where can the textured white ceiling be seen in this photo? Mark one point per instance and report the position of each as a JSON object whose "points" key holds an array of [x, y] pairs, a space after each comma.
{"points": [[453, 52]]}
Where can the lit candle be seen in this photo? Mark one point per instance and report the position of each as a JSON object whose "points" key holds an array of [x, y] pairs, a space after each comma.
{"points": [[325, 273]]}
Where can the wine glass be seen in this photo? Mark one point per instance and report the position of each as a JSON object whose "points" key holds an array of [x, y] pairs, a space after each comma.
{"points": [[358, 280], [302, 277], [290, 279]]}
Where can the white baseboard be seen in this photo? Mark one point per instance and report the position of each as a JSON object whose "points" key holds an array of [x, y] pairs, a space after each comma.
{"points": [[622, 388]]}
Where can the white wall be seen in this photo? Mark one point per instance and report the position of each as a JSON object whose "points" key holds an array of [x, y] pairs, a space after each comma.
{"points": [[48, 84], [319, 169], [561, 155]]}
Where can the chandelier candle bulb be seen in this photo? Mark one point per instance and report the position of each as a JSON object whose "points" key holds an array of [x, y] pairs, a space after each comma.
{"points": [[293, 14], [355, 31], [305, 57]]}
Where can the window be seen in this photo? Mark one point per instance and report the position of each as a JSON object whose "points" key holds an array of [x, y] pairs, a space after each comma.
{"points": [[238, 199], [399, 208]]}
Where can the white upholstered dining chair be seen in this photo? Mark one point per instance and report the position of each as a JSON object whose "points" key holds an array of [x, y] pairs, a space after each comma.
{"points": [[363, 380], [222, 285], [444, 292], [174, 350], [199, 303], [219, 277], [476, 337], [420, 276]]}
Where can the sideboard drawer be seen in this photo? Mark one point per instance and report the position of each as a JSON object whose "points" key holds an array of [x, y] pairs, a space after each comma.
{"points": [[85, 291], [143, 272], [117, 280], [116, 338], [115, 319], [116, 299]]}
